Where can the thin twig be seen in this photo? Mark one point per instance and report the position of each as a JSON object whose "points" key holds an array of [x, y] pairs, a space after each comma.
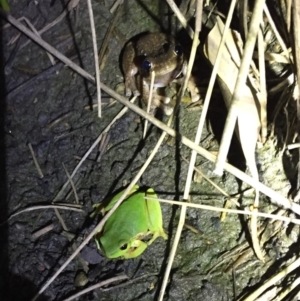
{"points": [[68, 204], [95, 286], [293, 146], [93, 31], [288, 15], [149, 102], [263, 86], [42, 231], [51, 58], [116, 5], [72, 184], [61, 220], [36, 163], [233, 211], [274, 28], [181, 18], [296, 31], [103, 145], [273, 280], [288, 289], [108, 33], [129, 282], [42, 207], [213, 183]]}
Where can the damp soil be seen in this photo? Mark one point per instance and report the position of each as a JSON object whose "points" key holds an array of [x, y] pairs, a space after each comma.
{"points": [[51, 108]]}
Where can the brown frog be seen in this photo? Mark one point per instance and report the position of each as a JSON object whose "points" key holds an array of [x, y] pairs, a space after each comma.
{"points": [[152, 52]]}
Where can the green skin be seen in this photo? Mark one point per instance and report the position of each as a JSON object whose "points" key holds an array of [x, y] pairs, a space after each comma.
{"points": [[134, 219], [4, 5]]}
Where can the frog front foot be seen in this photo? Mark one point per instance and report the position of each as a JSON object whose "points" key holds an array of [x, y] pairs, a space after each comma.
{"points": [[130, 88], [162, 104]]}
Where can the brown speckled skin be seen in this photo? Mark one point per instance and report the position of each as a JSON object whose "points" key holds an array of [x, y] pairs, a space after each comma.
{"points": [[159, 50]]}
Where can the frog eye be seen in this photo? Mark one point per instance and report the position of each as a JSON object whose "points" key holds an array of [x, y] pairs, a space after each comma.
{"points": [[123, 247], [178, 49], [146, 65]]}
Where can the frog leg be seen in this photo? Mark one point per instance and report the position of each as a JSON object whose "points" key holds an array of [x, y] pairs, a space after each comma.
{"points": [[192, 84], [130, 70], [164, 99], [136, 249], [154, 217], [156, 100]]}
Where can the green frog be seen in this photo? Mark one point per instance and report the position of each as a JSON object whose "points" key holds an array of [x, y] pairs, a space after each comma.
{"points": [[135, 224], [156, 52]]}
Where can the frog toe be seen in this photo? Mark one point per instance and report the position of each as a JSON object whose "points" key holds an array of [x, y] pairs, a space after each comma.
{"points": [[166, 100], [136, 93], [128, 93], [167, 110]]}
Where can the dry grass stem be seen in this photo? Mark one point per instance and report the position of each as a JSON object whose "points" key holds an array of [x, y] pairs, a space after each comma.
{"points": [[129, 282], [288, 289], [42, 231], [193, 229], [95, 286], [103, 145], [78, 206], [263, 86], [51, 58], [269, 56], [288, 15], [229, 255], [273, 280], [61, 220], [296, 18], [58, 120], [242, 257], [289, 124], [71, 192], [36, 163], [277, 35], [234, 211], [149, 102], [42, 207], [296, 25], [46, 46], [115, 6], [108, 34], [95, 48], [72, 184], [293, 146], [283, 85], [269, 295], [181, 18], [213, 183], [284, 98]]}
